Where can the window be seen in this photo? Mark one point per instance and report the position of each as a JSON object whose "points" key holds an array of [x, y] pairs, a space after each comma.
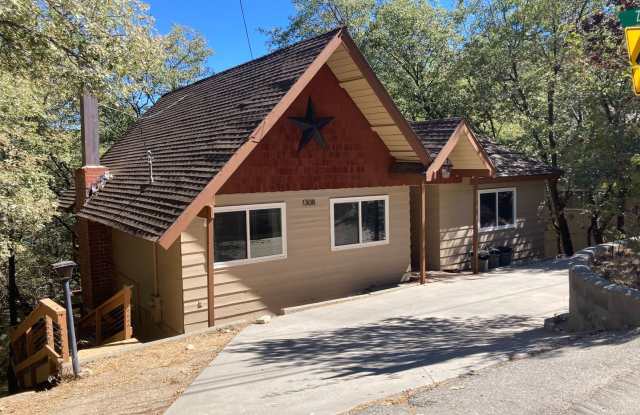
{"points": [[359, 221], [252, 233], [497, 209]]}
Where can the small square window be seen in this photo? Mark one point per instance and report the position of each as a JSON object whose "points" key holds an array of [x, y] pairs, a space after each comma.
{"points": [[359, 222], [496, 209]]}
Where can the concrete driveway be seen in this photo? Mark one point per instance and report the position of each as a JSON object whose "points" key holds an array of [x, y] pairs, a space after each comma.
{"points": [[327, 360]]}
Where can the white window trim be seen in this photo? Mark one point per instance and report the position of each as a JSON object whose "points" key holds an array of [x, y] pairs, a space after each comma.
{"points": [[360, 199], [515, 210], [247, 208]]}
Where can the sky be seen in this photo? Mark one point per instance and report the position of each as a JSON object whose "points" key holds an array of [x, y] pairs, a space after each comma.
{"points": [[220, 21]]}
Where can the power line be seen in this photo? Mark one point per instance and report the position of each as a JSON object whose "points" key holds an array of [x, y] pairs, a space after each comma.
{"points": [[246, 32]]}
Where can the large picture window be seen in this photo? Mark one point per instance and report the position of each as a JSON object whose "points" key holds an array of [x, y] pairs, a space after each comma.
{"points": [[359, 222], [251, 233], [497, 209]]}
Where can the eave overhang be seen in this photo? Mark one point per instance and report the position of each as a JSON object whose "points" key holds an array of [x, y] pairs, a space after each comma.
{"points": [[365, 90]]}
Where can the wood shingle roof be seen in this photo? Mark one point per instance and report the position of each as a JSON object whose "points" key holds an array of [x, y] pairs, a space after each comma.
{"points": [[434, 134], [190, 134]]}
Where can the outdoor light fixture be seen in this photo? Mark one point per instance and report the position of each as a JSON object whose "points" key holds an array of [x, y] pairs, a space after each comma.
{"points": [[64, 269], [447, 166]]}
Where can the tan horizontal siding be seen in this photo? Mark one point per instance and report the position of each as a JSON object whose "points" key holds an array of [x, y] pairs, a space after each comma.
{"points": [[311, 272], [527, 239], [193, 242], [134, 265]]}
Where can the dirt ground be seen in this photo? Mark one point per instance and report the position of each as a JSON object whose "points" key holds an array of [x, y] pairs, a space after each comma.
{"points": [[140, 381]]}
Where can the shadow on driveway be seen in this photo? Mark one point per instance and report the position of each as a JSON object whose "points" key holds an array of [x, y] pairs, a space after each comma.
{"points": [[399, 344]]}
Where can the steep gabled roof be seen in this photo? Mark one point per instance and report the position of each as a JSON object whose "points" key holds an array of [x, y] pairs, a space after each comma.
{"points": [[197, 136], [434, 135], [192, 133]]}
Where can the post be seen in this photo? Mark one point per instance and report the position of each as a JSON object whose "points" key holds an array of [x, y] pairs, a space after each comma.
{"points": [[423, 233], [210, 260], [475, 265], [71, 329], [98, 317], [49, 330], [61, 319], [126, 304]]}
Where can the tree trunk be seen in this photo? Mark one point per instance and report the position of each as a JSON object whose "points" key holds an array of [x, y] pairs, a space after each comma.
{"points": [[596, 231], [13, 289], [557, 211], [13, 314]]}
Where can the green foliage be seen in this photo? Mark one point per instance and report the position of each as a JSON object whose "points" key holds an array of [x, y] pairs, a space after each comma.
{"points": [[546, 77], [411, 45], [51, 50]]}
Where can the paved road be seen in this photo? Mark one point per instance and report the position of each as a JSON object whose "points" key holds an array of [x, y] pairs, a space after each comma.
{"points": [[594, 375], [330, 359]]}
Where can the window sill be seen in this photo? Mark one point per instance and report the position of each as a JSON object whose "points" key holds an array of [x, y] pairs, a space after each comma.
{"points": [[358, 246], [496, 228], [240, 262]]}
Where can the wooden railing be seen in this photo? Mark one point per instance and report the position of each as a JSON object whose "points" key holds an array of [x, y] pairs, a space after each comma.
{"points": [[110, 321], [39, 344]]}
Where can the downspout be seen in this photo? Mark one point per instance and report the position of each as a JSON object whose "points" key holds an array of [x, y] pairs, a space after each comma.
{"points": [[156, 303]]}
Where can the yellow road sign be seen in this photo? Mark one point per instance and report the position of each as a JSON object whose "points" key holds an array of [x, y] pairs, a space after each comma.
{"points": [[632, 34], [635, 78]]}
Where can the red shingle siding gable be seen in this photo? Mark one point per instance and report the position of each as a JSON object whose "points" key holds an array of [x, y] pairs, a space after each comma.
{"points": [[355, 157]]}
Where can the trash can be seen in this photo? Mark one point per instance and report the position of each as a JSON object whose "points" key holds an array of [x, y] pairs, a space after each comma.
{"points": [[506, 255], [483, 261], [494, 258]]}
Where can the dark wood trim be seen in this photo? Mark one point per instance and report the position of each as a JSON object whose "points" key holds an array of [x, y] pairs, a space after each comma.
{"points": [[461, 129], [243, 152], [474, 262], [437, 179], [471, 172], [210, 259], [490, 180], [407, 167], [423, 233], [480, 148]]}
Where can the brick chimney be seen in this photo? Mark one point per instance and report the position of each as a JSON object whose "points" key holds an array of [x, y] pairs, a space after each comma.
{"points": [[95, 254]]}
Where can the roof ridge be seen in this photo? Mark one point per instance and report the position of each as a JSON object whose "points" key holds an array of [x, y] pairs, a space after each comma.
{"points": [[263, 57], [432, 120]]}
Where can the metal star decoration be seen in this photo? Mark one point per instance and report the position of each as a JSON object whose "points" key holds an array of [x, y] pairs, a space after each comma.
{"points": [[311, 126]]}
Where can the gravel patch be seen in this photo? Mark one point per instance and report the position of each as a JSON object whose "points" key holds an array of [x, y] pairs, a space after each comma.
{"points": [[145, 380]]}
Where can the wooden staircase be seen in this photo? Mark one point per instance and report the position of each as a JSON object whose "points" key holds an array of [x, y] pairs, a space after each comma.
{"points": [[39, 344], [110, 321]]}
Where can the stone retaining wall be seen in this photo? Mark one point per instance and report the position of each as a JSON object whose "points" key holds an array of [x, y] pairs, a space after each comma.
{"points": [[596, 303]]}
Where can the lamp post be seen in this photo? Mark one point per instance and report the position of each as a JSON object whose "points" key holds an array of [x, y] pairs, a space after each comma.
{"points": [[64, 269]]}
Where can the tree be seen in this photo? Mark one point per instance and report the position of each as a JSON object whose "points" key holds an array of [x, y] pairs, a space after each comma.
{"points": [[529, 51], [51, 50], [554, 78], [411, 45]]}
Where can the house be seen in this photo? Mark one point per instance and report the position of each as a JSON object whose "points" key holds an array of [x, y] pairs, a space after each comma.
{"points": [[502, 196], [290, 179]]}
